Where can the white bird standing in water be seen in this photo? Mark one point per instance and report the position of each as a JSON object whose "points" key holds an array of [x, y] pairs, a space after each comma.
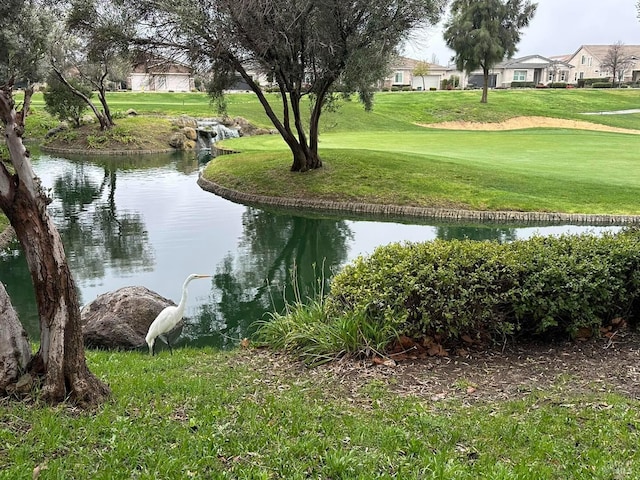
{"points": [[169, 317]]}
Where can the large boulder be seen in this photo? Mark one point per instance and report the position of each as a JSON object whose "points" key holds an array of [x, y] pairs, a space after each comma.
{"points": [[120, 319]]}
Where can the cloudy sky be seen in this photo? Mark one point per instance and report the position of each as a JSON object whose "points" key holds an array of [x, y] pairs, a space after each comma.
{"points": [[559, 27]]}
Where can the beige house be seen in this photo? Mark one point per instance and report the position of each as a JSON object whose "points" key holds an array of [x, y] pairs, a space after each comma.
{"points": [[533, 69], [402, 75], [587, 60], [160, 75]]}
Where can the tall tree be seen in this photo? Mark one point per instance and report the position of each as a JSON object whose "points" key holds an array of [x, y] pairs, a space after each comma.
{"points": [[485, 32], [60, 361], [96, 52], [306, 46], [617, 61]]}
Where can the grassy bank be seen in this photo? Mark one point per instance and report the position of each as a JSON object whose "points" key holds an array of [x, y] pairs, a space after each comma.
{"points": [[529, 170], [202, 414]]}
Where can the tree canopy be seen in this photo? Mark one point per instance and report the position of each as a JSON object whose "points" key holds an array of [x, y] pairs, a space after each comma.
{"points": [[308, 48], [485, 32], [24, 38]]}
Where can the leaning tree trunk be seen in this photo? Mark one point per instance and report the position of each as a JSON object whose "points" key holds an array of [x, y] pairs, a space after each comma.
{"points": [[15, 351], [60, 362]]}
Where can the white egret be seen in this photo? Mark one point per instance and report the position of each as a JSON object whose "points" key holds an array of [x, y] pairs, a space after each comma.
{"points": [[169, 317]]}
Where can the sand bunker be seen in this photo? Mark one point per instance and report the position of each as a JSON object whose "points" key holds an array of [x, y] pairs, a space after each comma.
{"points": [[520, 123]]}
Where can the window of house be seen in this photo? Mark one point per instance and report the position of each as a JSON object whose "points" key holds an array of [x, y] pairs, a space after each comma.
{"points": [[563, 76], [584, 60], [519, 75], [398, 78], [550, 78]]}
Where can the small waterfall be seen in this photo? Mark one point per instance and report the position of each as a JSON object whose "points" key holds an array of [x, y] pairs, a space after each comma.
{"points": [[211, 131]]}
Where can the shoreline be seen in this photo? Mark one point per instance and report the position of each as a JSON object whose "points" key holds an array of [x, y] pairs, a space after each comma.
{"points": [[408, 212]]}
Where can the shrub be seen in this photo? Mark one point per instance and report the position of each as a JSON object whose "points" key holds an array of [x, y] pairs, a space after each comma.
{"points": [[523, 84], [558, 85], [602, 85], [545, 285], [62, 103]]}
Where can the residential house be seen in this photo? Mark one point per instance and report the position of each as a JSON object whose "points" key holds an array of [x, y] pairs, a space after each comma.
{"points": [[160, 75], [402, 75], [587, 61], [534, 69]]}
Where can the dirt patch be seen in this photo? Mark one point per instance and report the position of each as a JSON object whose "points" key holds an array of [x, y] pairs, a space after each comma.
{"points": [[521, 123], [569, 368]]}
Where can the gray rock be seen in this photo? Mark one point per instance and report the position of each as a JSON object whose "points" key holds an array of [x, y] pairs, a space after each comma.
{"points": [[185, 121], [120, 319], [177, 140]]}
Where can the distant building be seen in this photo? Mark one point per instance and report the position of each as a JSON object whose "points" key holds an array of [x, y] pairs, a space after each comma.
{"points": [[160, 75], [532, 69], [402, 75], [587, 60]]}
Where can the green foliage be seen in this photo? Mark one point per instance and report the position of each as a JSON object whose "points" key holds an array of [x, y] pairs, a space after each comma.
{"points": [[523, 84], [484, 32], [602, 85], [537, 286], [558, 85], [306, 330], [62, 103]]}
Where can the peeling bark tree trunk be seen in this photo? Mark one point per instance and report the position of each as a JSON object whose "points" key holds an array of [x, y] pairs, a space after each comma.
{"points": [[60, 361], [15, 351]]}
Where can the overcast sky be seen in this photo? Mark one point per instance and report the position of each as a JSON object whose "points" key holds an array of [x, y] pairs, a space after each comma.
{"points": [[559, 27]]}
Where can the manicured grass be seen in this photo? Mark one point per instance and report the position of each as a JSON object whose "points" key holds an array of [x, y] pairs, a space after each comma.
{"points": [[557, 170], [205, 414], [397, 111]]}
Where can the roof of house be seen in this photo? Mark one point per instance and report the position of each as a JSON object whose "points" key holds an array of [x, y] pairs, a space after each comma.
{"points": [[406, 63], [530, 61], [600, 51]]}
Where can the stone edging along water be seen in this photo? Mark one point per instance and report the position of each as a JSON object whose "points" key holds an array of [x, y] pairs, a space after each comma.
{"points": [[399, 211], [76, 151]]}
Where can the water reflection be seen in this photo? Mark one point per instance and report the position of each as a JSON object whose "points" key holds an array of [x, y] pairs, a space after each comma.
{"points": [[274, 254], [144, 221], [94, 232]]}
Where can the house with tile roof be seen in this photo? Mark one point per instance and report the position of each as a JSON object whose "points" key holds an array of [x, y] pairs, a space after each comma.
{"points": [[587, 62]]}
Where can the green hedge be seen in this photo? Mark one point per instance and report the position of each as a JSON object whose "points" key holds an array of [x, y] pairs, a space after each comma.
{"points": [[523, 84], [602, 85], [545, 285]]}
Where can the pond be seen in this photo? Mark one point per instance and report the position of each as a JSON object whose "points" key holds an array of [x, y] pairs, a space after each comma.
{"points": [[144, 221]]}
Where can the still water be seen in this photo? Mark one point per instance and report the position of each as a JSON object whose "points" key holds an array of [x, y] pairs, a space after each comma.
{"points": [[144, 221]]}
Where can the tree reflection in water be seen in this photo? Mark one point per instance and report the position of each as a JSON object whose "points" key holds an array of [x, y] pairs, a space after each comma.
{"points": [[276, 254]]}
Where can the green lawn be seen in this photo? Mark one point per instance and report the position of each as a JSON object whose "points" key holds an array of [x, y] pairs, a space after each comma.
{"points": [[557, 170], [207, 415]]}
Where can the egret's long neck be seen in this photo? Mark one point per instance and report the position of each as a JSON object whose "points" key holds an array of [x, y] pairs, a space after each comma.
{"points": [[183, 299]]}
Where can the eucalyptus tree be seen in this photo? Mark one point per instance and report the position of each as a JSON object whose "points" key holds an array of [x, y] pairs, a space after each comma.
{"points": [[60, 362], [307, 47], [485, 32]]}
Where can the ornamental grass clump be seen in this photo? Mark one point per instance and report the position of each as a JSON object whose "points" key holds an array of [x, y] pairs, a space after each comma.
{"points": [[544, 285]]}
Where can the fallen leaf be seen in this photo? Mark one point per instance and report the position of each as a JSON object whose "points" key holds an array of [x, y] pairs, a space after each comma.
{"points": [[471, 389], [387, 362], [245, 343]]}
